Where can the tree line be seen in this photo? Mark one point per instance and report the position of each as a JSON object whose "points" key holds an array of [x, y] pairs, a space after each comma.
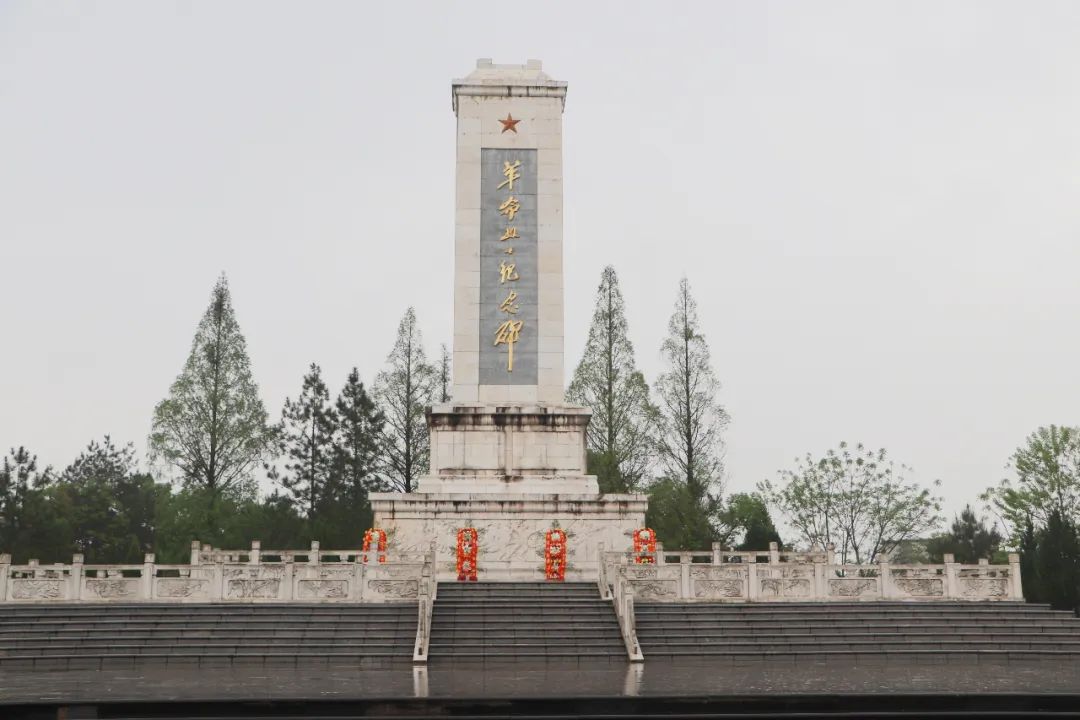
{"points": [[212, 437]]}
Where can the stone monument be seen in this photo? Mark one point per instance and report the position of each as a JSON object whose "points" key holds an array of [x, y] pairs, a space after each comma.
{"points": [[508, 454]]}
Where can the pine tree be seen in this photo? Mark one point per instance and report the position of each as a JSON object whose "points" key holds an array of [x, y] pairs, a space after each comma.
{"points": [[1058, 563], [113, 506], [969, 539], [607, 381], [403, 391], [306, 440], [213, 427], [19, 477], [444, 379], [690, 446], [357, 455], [1029, 564]]}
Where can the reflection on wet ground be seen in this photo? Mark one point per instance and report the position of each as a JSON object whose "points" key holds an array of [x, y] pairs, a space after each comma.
{"points": [[509, 680]]}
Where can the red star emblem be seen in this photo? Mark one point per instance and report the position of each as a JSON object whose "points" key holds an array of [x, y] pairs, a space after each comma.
{"points": [[509, 123]]}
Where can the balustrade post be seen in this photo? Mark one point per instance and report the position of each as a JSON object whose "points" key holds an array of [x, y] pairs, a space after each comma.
{"points": [[601, 570], [32, 564], [774, 553], [313, 556], [717, 550], [255, 556], [752, 584], [1016, 587], [76, 576], [821, 586], [195, 546], [685, 560], [885, 583], [660, 559], [148, 576], [951, 589], [5, 573]]}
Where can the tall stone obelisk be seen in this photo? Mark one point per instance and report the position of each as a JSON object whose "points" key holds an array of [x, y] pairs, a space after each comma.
{"points": [[507, 453]]}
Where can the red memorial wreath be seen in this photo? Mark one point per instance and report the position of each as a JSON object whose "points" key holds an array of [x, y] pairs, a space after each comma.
{"points": [[467, 547], [555, 554], [378, 537], [644, 546]]}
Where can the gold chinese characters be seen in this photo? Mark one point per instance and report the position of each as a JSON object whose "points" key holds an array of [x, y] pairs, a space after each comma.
{"points": [[509, 332]]}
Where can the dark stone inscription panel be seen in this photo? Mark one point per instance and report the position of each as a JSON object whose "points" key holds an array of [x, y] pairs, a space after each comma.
{"points": [[509, 302]]}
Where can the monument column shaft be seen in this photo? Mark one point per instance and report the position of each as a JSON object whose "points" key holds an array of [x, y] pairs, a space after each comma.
{"points": [[508, 114]]}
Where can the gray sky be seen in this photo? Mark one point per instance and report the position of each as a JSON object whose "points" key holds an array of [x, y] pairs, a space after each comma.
{"points": [[875, 204]]}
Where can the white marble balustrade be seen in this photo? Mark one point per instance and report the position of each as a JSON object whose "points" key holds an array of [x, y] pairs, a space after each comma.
{"points": [[775, 576], [249, 576]]}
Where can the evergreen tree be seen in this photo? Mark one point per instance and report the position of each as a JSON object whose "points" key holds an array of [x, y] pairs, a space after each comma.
{"points": [[306, 440], [356, 465], [1058, 563], [213, 427], [445, 379], [403, 391], [969, 539], [681, 521], [607, 381], [19, 478], [690, 446], [747, 518], [113, 506]]}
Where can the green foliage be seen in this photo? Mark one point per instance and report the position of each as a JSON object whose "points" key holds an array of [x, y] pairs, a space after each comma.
{"points": [[747, 518], [1047, 471], [212, 427], [444, 379], [20, 480], [306, 439], [620, 435], [403, 391], [1055, 559], [681, 520], [855, 499], [690, 447], [969, 539]]}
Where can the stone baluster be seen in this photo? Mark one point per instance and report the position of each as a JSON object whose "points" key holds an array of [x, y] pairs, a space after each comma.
{"points": [[774, 553], [660, 559], [717, 553], [33, 566], [685, 560], [1016, 587], [75, 577], [313, 556], [255, 556], [195, 556], [821, 584], [752, 585], [885, 580], [5, 574], [148, 577], [951, 590], [601, 571]]}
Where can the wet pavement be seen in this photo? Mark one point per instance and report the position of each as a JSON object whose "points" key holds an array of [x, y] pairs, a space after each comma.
{"points": [[655, 679]]}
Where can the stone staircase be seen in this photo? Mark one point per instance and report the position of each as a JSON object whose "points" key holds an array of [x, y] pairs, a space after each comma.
{"points": [[923, 630], [93, 636], [530, 621]]}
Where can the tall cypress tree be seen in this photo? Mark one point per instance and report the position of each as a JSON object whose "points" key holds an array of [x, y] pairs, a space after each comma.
{"points": [[307, 431], [607, 381], [19, 477], [444, 379], [404, 390], [690, 445], [213, 427]]}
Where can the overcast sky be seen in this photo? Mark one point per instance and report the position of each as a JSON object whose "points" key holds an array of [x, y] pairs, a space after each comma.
{"points": [[875, 204]]}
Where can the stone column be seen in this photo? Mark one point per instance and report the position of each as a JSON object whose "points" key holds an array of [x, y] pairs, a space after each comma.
{"points": [[76, 576], [1016, 588], [148, 577], [5, 573], [951, 589]]}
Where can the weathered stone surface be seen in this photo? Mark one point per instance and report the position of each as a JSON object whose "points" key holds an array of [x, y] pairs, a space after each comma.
{"points": [[32, 589]]}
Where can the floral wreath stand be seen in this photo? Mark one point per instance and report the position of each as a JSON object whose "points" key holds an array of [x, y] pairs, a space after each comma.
{"points": [[375, 537]]}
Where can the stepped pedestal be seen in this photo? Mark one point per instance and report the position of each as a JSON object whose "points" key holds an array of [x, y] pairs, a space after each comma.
{"points": [[512, 473]]}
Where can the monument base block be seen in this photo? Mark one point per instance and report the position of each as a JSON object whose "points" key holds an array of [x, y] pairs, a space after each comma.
{"points": [[511, 529]]}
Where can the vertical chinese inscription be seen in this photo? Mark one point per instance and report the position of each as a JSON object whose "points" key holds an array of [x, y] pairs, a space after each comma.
{"points": [[509, 303]]}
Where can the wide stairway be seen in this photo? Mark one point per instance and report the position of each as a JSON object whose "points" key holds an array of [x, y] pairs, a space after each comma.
{"points": [[866, 631], [529, 622], [91, 636]]}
